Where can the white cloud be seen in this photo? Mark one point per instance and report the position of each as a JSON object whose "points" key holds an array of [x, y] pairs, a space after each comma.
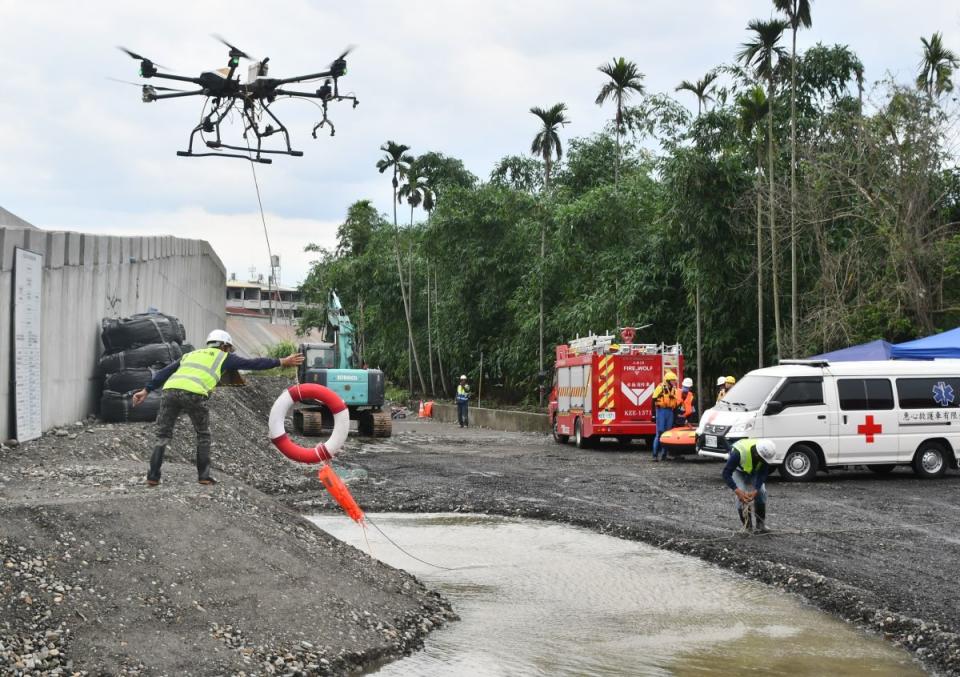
{"points": [[238, 239], [456, 76]]}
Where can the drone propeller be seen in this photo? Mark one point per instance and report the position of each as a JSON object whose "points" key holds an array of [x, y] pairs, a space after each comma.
{"points": [[338, 66], [235, 52], [143, 59], [140, 84]]}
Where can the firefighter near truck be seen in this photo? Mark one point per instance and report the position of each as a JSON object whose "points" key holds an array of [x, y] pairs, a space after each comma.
{"points": [[604, 388]]}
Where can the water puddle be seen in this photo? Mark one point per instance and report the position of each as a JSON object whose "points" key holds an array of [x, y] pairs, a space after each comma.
{"points": [[545, 599]]}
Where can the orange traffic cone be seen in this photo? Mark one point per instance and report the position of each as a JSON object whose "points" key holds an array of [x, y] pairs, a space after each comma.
{"points": [[420, 413]]}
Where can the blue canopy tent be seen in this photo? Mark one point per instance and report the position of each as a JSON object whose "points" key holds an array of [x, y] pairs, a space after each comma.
{"points": [[942, 345], [874, 350]]}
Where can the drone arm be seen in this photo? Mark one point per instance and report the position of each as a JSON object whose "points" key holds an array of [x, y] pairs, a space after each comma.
{"points": [[301, 78], [306, 95], [178, 78], [177, 95]]}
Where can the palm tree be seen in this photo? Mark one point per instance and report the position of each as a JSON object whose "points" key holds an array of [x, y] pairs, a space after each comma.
{"points": [[418, 193], [760, 53], [625, 79], [703, 90], [936, 67], [547, 144], [398, 161], [753, 107], [798, 14]]}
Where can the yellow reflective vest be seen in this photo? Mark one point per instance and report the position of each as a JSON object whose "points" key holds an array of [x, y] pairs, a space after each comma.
{"points": [[745, 448], [199, 371], [665, 398]]}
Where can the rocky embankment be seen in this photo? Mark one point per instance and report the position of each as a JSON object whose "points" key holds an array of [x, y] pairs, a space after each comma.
{"points": [[100, 574]]}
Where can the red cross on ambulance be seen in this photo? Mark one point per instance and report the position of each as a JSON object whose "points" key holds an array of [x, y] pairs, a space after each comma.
{"points": [[869, 428]]}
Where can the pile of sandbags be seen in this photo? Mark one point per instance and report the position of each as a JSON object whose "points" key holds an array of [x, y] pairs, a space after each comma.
{"points": [[135, 348]]}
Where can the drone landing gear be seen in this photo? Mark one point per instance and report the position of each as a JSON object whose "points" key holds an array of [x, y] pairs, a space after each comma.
{"points": [[261, 160], [294, 153]]}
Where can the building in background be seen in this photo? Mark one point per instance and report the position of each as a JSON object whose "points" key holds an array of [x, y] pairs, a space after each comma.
{"points": [[257, 298]]}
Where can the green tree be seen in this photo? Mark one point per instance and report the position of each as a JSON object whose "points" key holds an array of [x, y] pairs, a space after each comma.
{"points": [[936, 67], [798, 14], [702, 89], [760, 53], [398, 161], [625, 80], [753, 107], [547, 144], [518, 172]]}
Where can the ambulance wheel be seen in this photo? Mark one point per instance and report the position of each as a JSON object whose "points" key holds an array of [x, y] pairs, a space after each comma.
{"points": [[930, 461], [557, 437], [581, 441], [882, 468], [800, 464]]}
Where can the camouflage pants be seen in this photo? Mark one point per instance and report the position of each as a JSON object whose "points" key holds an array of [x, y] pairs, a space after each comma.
{"points": [[173, 403]]}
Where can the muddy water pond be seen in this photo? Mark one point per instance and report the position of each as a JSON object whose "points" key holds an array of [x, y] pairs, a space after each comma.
{"points": [[546, 599]]}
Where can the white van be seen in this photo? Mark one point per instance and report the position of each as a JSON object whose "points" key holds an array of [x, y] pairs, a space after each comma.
{"points": [[821, 415]]}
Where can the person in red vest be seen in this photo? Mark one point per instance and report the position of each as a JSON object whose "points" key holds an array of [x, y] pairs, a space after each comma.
{"points": [[686, 410]]}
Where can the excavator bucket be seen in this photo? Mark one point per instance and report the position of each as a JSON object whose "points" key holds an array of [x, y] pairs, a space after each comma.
{"points": [[232, 377]]}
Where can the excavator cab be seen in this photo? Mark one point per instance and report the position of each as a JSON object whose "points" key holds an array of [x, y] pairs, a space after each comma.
{"points": [[361, 389]]}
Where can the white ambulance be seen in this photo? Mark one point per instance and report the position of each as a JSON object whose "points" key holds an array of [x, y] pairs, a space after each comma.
{"points": [[822, 414]]}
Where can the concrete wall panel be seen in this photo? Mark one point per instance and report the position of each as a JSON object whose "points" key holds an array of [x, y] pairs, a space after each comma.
{"points": [[89, 277]]}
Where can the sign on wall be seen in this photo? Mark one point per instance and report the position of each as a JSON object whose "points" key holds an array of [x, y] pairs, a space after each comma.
{"points": [[27, 281]]}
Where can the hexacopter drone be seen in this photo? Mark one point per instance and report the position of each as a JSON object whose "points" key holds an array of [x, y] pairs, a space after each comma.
{"points": [[251, 99]]}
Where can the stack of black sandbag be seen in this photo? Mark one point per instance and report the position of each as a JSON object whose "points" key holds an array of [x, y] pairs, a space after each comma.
{"points": [[135, 348]]}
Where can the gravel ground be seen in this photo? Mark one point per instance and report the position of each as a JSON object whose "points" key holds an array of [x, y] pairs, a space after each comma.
{"points": [[200, 580], [100, 574]]}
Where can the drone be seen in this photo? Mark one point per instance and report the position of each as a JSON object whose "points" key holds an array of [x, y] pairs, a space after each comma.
{"points": [[252, 100]]}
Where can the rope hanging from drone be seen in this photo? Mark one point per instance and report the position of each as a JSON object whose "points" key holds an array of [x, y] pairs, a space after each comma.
{"points": [[223, 92]]}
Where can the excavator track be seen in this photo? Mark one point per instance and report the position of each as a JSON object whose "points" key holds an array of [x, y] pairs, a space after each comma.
{"points": [[313, 423], [382, 424]]}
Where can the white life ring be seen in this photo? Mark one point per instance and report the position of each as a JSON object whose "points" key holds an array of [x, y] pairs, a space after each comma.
{"points": [[323, 451]]}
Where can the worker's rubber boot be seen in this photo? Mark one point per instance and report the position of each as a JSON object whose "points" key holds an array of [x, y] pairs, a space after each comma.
{"points": [[761, 509]]}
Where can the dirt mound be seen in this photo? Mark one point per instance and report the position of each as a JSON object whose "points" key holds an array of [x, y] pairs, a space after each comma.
{"points": [[100, 574]]}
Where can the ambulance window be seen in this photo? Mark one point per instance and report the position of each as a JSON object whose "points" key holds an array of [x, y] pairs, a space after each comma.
{"points": [[863, 394], [801, 392], [928, 393]]}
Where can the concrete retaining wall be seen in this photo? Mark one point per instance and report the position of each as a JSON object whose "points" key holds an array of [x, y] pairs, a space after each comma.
{"points": [[495, 419], [89, 277]]}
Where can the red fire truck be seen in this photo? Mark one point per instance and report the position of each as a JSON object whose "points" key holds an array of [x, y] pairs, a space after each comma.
{"points": [[605, 389]]}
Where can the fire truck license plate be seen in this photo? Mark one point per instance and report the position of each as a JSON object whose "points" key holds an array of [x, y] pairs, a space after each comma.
{"points": [[606, 415], [711, 441]]}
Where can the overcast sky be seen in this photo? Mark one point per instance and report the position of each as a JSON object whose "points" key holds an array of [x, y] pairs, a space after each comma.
{"points": [[80, 152]]}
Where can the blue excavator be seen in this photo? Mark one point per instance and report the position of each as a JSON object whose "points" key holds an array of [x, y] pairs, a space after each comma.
{"points": [[334, 363]]}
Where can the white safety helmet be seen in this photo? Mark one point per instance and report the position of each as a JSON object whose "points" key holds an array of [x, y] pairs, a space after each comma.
{"points": [[767, 450], [721, 380], [463, 377], [688, 382], [219, 337]]}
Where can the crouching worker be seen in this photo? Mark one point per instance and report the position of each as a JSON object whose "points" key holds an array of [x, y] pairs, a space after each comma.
{"points": [[746, 471], [187, 384]]}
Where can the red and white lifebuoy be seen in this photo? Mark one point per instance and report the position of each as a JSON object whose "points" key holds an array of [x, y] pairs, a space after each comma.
{"points": [[323, 451]]}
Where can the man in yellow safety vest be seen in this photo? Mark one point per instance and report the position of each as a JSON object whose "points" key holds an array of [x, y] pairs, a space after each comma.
{"points": [[187, 384], [746, 471]]}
